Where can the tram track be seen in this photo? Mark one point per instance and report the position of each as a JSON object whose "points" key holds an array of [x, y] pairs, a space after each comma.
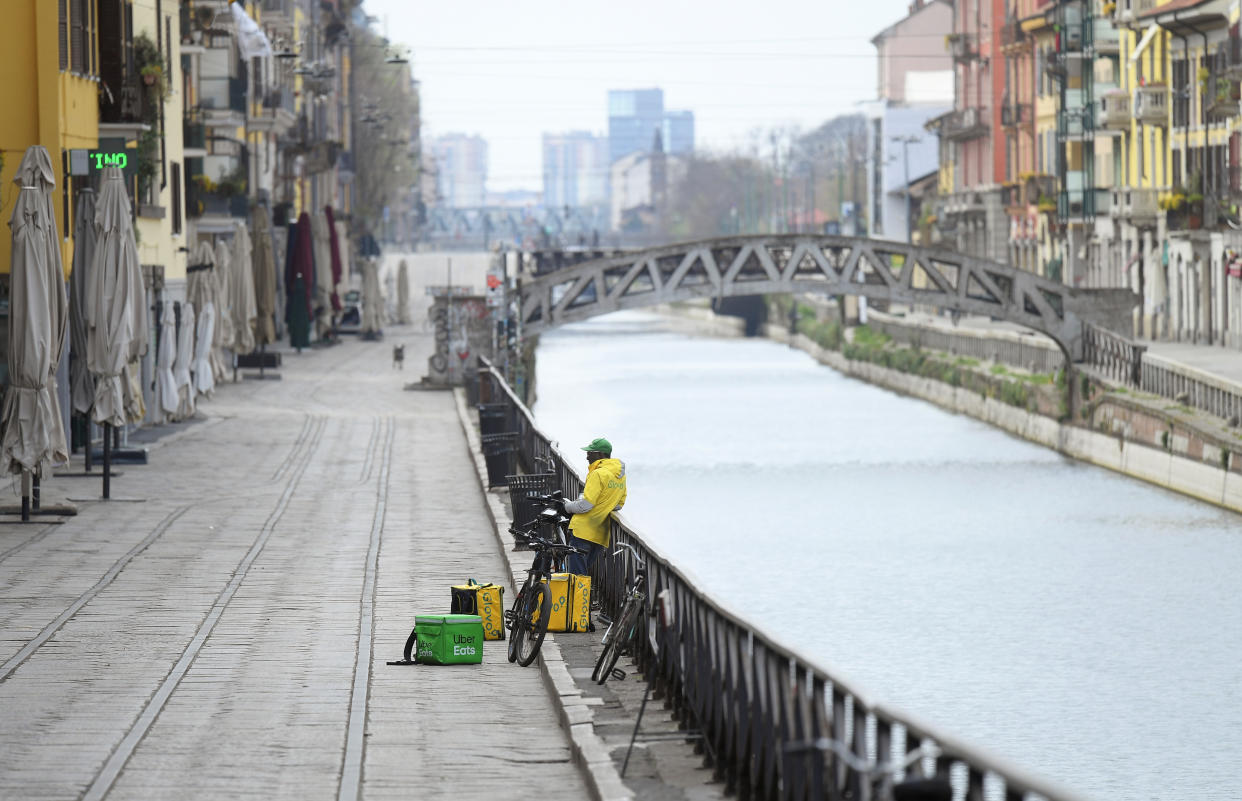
{"points": [[350, 788], [112, 767]]}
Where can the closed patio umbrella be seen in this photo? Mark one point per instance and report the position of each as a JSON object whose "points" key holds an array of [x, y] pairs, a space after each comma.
{"points": [[403, 294], [200, 292], [281, 235], [241, 282], [185, 358], [264, 274], [222, 337], [299, 279], [372, 300], [334, 253], [342, 238], [323, 286], [109, 312], [204, 374], [34, 438], [80, 381], [135, 406], [166, 400]]}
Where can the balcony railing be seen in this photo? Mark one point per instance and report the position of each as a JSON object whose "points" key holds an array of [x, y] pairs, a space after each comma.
{"points": [[123, 103], [194, 132], [1015, 114], [1012, 34], [1115, 110], [967, 123], [199, 202], [962, 47], [1233, 47], [1151, 104]]}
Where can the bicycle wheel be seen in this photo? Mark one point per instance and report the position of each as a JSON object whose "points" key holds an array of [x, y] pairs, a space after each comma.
{"points": [[517, 626], [537, 600], [617, 638]]}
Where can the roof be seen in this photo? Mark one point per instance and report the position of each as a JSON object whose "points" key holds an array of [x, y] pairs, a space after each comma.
{"points": [[1208, 8], [884, 34]]}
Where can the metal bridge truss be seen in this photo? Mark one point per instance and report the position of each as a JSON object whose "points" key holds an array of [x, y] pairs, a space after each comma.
{"points": [[830, 265]]}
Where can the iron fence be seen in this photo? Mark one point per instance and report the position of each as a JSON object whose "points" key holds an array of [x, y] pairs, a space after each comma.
{"points": [[1194, 388], [751, 696], [1114, 355]]}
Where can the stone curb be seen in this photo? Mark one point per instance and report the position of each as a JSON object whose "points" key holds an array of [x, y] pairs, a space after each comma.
{"points": [[576, 716]]}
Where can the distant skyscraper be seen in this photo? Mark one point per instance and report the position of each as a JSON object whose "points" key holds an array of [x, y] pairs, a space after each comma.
{"points": [[575, 169], [678, 132], [461, 169], [634, 115]]}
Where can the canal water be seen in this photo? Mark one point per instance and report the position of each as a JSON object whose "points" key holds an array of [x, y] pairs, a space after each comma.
{"points": [[1082, 624]]}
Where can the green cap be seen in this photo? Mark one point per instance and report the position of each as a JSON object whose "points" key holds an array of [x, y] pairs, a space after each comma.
{"points": [[599, 445]]}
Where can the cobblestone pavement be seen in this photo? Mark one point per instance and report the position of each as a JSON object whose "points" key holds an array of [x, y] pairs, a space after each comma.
{"points": [[224, 632]]}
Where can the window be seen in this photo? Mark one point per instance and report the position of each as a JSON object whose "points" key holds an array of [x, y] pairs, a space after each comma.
{"points": [[1181, 92], [79, 37], [176, 198]]}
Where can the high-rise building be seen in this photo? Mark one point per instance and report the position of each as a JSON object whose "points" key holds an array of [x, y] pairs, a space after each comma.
{"points": [[575, 169], [634, 115], [461, 169], [678, 132]]}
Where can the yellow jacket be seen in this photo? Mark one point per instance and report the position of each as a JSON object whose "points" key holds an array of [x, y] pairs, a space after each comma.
{"points": [[604, 493]]}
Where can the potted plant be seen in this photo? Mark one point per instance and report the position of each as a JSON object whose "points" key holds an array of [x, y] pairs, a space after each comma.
{"points": [[1194, 210], [1046, 204]]}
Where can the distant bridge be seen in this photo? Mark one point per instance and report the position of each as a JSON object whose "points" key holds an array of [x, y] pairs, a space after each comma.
{"points": [[829, 265]]}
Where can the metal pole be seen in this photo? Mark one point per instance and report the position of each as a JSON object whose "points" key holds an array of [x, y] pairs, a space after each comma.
{"points": [[107, 454], [25, 496], [34, 492], [86, 425]]}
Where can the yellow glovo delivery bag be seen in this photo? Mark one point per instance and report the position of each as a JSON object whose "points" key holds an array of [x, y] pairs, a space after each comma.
{"points": [[485, 600], [571, 602]]}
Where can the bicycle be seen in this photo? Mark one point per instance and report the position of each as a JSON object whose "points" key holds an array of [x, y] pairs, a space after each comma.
{"points": [[527, 619], [622, 632], [879, 775]]}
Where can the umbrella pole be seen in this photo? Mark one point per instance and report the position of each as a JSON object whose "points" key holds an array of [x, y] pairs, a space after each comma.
{"points": [[34, 492], [107, 466], [25, 496], [89, 443]]}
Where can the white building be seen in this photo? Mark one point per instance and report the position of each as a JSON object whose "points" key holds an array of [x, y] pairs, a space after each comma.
{"points": [[461, 169]]}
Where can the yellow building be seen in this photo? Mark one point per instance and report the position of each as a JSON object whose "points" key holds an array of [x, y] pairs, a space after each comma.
{"points": [[51, 99]]}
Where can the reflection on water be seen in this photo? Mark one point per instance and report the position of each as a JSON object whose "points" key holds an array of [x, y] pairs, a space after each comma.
{"points": [[1081, 623]]}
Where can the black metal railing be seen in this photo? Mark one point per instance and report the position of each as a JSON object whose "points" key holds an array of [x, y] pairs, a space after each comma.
{"points": [[1117, 357], [750, 695]]}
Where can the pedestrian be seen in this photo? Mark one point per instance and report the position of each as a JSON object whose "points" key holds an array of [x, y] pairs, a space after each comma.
{"points": [[589, 528]]}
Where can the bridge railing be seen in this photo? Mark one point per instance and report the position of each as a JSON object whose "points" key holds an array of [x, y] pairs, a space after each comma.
{"points": [[1195, 388], [1026, 351], [751, 695], [1117, 357]]}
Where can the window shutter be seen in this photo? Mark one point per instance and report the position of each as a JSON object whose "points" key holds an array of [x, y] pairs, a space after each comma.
{"points": [[64, 35], [176, 198], [77, 37]]}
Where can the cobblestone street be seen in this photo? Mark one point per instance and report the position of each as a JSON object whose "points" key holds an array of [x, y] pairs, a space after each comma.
{"points": [[221, 630]]}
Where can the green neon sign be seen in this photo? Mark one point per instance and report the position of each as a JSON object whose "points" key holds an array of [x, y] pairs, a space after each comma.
{"points": [[110, 160]]}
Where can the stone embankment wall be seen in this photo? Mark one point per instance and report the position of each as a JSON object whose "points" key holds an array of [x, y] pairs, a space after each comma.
{"points": [[1139, 435]]}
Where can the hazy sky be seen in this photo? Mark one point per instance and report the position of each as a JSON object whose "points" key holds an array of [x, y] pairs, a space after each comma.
{"points": [[510, 71]]}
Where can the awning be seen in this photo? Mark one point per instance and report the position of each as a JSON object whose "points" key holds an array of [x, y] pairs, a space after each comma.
{"points": [[1148, 35]]}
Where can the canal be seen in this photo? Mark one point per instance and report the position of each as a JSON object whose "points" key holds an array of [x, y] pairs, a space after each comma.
{"points": [[1083, 624]]}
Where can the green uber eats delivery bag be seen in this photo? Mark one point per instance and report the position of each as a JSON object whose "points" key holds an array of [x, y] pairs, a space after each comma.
{"points": [[446, 640]]}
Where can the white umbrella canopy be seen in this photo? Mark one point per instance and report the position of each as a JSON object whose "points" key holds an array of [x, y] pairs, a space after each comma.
{"points": [[109, 291], [372, 298], [264, 269], [342, 236], [81, 383], [222, 337], [166, 400], [204, 376], [135, 406], [200, 292], [242, 285], [185, 358], [34, 438], [322, 247], [403, 293]]}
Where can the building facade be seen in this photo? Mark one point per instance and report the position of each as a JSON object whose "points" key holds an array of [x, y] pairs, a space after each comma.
{"points": [[461, 169], [575, 169], [915, 82]]}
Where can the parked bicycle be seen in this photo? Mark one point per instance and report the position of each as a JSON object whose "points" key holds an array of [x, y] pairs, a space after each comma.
{"points": [[880, 778], [527, 619], [623, 633]]}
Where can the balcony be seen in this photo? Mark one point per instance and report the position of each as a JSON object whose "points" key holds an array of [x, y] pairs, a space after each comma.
{"points": [[275, 113], [963, 124], [1012, 34], [194, 135], [1015, 114], [200, 203], [962, 47], [1140, 206], [1151, 104], [1115, 110], [1221, 100], [1105, 38], [1123, 12], [1233, 49], [123, 104], [223, 102], [1082, 204]]}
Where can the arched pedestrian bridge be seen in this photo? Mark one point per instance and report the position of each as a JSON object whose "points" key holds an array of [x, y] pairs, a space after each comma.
{"points": [[829, 265]]}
